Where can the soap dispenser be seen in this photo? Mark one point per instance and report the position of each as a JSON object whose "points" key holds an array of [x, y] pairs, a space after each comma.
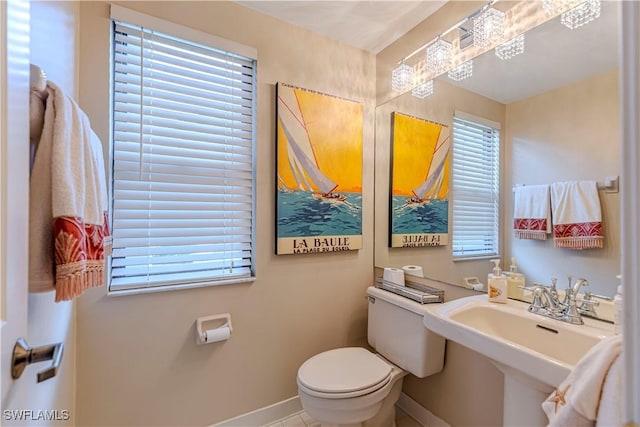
{"points": [[515, 281], [497, 284]]}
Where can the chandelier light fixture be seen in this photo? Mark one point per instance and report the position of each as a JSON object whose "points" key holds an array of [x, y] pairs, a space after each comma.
{"points": [[509, 49], [488, 27], [581, 14], [462, 71], [423, 90], [439, 56], [401, 77]]}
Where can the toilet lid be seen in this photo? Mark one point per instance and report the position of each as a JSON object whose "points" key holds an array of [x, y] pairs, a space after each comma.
{"points": [[343, 370]]}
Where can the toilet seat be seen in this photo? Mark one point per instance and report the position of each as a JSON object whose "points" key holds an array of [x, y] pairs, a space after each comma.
{"points": [[343, 373]]}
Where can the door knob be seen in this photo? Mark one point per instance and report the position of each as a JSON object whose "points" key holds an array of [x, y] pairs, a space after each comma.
{"points": [[24, 355]]}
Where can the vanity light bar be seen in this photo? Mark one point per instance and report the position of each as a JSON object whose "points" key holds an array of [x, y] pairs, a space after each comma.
{"points": [[437, 60], [488, 30]]}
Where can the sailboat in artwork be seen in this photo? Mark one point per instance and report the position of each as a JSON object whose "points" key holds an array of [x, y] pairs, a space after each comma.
{"points": [[282, 186], [302, 161], [436, 185]]}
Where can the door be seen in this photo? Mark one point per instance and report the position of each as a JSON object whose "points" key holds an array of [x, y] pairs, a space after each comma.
{"points": [[14, 183]]}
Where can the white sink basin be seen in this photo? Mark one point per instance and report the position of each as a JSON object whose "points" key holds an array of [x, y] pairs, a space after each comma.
{"points": [[534, 352]]}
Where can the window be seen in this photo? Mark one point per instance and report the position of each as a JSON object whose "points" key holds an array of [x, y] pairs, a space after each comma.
{"points": [[476, 185], [182, 159]]}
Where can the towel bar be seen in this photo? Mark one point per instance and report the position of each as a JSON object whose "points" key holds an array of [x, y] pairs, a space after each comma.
{"points": [[610, 184]]}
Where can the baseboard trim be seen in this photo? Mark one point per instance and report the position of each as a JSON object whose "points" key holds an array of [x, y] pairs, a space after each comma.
{"points": [[286, 408], [419, 413], [265, 416]]}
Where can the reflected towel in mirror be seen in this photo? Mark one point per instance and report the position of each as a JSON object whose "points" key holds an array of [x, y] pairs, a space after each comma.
{"points": [[531, 212], [577, 216]]}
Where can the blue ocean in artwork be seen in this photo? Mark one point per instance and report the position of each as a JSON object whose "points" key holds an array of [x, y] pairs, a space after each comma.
{"points": [[432, 217], [300, 214]]}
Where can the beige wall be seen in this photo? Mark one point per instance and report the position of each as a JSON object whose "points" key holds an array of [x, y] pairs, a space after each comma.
{"points": [[571, 133], [137, 358], [53, 47]]}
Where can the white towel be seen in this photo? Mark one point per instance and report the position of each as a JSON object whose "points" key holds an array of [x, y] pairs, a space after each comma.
{"points": [[592, 392], [68, 203], [577, 217], [531, 212]]}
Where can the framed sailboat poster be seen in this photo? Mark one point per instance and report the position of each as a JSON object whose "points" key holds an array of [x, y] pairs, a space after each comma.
{"points": [[319, 172], [420, 170]]}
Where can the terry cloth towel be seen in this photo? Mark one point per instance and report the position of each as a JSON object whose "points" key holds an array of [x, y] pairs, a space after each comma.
{"points": [[577, 218], [592, 393], [531, 212], [68, 230]]}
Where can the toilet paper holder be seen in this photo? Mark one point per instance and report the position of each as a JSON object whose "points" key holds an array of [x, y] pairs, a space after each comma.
{"points": [[220, 332]]}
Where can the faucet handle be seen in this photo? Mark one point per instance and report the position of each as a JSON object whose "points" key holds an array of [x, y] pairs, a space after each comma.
{"points": [[587, 305], [536, 304], [568, 294], [569, 290], [587, 301]]}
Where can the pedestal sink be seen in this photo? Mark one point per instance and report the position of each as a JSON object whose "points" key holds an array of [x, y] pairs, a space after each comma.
{"points": [[535, 353]]}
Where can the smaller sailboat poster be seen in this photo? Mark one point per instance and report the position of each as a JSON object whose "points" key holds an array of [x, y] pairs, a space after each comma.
{"points": [[420, 170], [319, 172]]}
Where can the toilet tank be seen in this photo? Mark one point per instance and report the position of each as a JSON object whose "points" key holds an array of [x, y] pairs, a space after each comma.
{"points": [[396, 331]]}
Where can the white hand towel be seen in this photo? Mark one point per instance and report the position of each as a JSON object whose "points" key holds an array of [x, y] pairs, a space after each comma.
{"points": [[531, 212], [577, 217], [68, 224], [590, 392]]}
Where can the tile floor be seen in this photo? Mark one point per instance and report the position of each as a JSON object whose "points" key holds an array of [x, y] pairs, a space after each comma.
{"points": [[302, 419]]}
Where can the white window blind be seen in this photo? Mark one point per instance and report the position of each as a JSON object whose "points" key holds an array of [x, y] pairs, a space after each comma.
{"points": [[182, 175], [476, 185]]}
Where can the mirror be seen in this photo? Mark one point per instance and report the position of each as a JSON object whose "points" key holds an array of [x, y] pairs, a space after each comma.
{"points": [[557, 104]]}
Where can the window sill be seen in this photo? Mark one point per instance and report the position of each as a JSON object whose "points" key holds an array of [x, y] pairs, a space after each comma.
{"points": [[497, 256], [166, 288]]}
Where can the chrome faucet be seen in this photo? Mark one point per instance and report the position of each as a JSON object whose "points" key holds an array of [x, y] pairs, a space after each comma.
{"points": [[546, 301]]}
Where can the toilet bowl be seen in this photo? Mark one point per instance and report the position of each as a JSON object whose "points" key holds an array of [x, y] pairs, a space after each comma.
{"points": [[350, 387], [354, 387]]}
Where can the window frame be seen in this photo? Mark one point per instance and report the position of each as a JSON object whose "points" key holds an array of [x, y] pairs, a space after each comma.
{"points": [[187, 34]]}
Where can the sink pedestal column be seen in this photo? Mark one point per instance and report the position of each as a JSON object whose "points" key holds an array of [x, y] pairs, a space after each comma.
{"points": [[523, 397]]}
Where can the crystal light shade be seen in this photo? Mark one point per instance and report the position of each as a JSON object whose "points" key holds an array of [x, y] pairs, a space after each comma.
{"points": [[423, 90], [439, 56], [581, 14], [488, 27], [462, 71], [401, 77], [509, 49], [554, 7]]}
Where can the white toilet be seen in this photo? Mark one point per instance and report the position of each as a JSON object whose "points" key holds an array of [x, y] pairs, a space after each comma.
{"points": [[355, 387]]}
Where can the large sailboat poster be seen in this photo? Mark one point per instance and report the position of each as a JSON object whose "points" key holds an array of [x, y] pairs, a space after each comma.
{"points": [[319, 172], [420, 170]]}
